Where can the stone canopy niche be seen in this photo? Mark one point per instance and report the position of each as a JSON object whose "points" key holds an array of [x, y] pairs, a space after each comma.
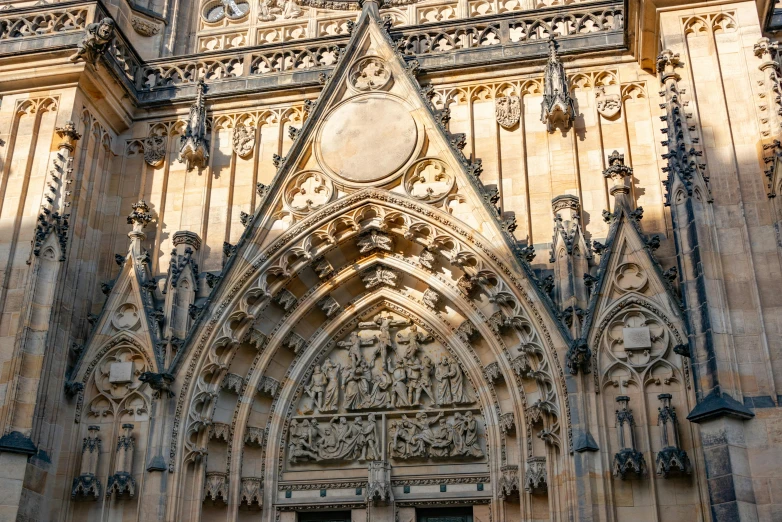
{"points": [[389, 391]]}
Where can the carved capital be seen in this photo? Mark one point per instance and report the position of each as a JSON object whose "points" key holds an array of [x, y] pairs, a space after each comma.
{"points": [[68, 135]]}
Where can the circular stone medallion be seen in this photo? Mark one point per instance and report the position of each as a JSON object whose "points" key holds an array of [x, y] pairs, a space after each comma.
{"points": [[368, 139]]}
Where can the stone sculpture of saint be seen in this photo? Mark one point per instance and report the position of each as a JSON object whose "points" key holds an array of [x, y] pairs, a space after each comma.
{"points": [[398, 387], [457, 382], [442, 441], [317, 386], [356, 382], [471, 445], [458, 428], [443, 374], [331, 393], [367, 441], [380, 397], [425, 382]]}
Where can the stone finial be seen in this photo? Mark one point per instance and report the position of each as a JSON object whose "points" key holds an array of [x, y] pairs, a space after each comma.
{"points": [[140, 215], [194, 151], [767, 51], [617, 171], [558, 107], [667, 63], [68, 135]]}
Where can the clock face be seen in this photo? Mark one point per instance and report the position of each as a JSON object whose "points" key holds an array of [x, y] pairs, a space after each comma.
{"points": [[216, 11]]}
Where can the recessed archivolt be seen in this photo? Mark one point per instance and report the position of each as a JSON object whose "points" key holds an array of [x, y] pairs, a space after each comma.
{"points": [[253, 289]]}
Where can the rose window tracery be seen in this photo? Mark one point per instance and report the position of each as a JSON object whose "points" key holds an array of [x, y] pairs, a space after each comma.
{"points": [[369, 74], [637, 337]]}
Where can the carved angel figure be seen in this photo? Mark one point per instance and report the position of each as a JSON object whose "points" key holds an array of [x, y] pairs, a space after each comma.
{"points": [[96, 41]]}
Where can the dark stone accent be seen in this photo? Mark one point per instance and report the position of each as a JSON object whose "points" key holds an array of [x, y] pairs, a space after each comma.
{"points": [[479, 486], [15, 442], [584, 441], [157, 464], [443, 488], [722, 489], [762, 401], [727, 512], [359, 491], [717, 460], [406, 489], [322, 492], [718, 404]]}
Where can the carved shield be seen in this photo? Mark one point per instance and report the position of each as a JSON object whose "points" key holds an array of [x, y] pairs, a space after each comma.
{"points": [[155, 150], [507, 110], [243, 140], [608, 105]]}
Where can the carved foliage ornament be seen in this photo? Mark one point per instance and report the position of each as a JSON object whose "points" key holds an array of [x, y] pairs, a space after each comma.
{"points": [[155, 150], [369, 74], [507, 109], [243, 140]]}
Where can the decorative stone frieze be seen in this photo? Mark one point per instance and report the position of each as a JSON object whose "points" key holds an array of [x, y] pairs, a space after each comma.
{"points": [[220, 430], [492, 371], [233, 382], [507, 423], [254, 436]]}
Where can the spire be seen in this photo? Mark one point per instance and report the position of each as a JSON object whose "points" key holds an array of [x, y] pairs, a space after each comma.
{"points": [[558, 107]]}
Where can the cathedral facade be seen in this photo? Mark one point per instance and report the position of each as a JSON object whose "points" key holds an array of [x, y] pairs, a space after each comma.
{"points": [[390, 261]]}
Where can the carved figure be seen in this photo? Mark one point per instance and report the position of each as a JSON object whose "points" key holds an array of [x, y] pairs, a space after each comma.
{"points": [[291, 9], [367, 438], [471, 445], [356, 382], [383, 322], [442, 440], [96, 41], [413, 340], [353, 344], [608, 105], [443, 374], [381, 390], [425, 382], [317, 386], [331, 392], [413, 377], [380, 275], [300, 443], [399, 388], [267, 9], [458, 428], [457, 383]]}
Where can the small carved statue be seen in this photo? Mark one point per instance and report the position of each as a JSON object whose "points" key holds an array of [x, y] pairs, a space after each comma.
{"points": [[443, 374], [353, 344], [373, 241], [356, 382], [383, 322], [331, 392], [317, 386], [398, 388], [471, 445], [96, 41], [413, 340], [381, 390]]}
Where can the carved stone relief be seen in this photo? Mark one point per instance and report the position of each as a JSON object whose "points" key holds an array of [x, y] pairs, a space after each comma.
{"points": [[393, 369], [608, 105], [369, 74], [155, 150], [308, 191], [429, 180], [243, 140], [507, 109]]}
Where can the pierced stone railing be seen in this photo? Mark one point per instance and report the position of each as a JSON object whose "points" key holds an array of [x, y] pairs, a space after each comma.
{"points": [[38, 21], [442, 45]]}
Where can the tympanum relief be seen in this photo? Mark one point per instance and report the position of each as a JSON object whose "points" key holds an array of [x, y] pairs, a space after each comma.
{"points": [[386, 391]]}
